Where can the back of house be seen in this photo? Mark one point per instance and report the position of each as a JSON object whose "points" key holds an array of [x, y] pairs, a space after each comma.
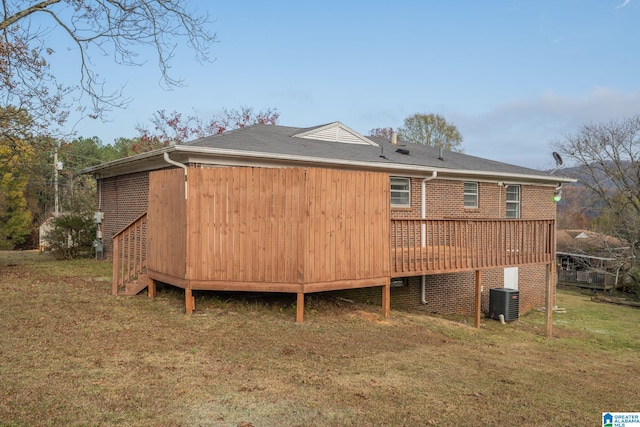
{"points": [[327, 209]]}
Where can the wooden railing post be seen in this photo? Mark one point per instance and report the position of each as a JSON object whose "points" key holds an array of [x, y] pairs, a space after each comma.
{"points": [[478, 297], [116, 265], [549, 302]]}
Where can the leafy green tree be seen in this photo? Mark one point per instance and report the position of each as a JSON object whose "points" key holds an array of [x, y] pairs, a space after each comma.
{"points": [[15, 218], [432, 130], [72, 235], [16, 156], [84, 152]]}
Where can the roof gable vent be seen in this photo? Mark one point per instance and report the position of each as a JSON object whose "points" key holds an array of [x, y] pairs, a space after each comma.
{"points": [[336, 132]]}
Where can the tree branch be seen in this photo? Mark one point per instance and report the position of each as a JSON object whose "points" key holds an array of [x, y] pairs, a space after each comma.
{"points": [[38, 7]]}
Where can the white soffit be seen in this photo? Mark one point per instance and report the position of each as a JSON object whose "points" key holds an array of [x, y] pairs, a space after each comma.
{"points": [[336, 132]]}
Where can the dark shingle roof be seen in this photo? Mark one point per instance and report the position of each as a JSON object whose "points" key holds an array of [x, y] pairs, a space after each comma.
{"points": [[285, 146], [280, 140]]}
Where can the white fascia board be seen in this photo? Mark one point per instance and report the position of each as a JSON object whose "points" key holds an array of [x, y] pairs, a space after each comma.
{"points": [[153, 160], [139, 163], [256, 158]]}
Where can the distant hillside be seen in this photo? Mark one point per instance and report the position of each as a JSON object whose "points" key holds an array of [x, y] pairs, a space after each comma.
{"points": [[584, 176], [579, 206]]}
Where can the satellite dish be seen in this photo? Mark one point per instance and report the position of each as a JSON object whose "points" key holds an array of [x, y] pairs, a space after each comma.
{"points": [[558, 159]]}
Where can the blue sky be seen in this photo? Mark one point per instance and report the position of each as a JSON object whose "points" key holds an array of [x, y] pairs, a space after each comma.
{"points": [[511, 75]]}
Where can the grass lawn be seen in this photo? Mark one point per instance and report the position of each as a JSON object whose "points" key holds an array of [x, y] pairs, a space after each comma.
{"points": [[73, 354]]}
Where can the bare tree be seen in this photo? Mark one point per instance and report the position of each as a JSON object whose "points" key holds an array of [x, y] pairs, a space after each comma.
{"points": [[384, 133], [607, 158], [117, 28]]}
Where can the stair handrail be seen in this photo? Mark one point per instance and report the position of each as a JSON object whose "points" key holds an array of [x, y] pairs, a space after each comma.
{"points": [[129, 252]]}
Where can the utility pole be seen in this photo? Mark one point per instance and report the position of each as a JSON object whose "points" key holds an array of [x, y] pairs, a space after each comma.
{"points": [[57, 166], [55, 181]]}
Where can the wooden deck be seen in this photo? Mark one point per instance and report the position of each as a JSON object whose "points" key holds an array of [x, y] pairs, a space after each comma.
{"points": [[427, 246], [303, 230]]}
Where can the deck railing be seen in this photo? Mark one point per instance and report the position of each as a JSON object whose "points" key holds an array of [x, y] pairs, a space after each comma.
{"points": [[418, 246], [427, 246], [587, 277], [129, 253]]}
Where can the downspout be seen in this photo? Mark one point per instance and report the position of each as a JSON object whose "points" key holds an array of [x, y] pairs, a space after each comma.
{"points": [[423, 213], [180, 165], [189, 299]]}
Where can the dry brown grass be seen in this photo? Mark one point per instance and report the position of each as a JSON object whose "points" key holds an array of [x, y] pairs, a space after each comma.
{"points": [[72, 354]]}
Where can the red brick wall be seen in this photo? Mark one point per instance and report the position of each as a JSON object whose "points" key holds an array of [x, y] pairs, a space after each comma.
{"points": [[445, 198], [122, 199], [455, 293], [537, 202]]}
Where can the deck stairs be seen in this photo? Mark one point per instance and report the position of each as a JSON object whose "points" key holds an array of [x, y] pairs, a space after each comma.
{"points": [[130, 258]]}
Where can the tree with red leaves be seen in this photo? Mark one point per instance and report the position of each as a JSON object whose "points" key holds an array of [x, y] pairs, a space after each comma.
{"points": [[175, 128], [384, 133]]}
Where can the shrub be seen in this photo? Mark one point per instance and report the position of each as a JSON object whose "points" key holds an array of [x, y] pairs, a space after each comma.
{"points": [[72, 235]]}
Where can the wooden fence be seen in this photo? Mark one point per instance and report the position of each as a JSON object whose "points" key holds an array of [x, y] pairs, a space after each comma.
{"points": [[269, 229]]}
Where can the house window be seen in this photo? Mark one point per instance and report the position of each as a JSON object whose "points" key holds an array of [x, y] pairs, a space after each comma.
{"points": [[400, 192], [513, 201], [471, 195]]}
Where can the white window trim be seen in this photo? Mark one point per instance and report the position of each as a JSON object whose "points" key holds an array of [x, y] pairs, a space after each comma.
{"points": [[517, 203], [475, 193], [407, 191]]}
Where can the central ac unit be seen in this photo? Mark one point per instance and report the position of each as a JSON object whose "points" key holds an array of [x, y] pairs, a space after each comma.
{"points": [[504, 301]]}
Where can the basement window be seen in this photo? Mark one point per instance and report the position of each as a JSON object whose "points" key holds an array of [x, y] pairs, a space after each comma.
{"points": [[400, 192], [399, 282]]}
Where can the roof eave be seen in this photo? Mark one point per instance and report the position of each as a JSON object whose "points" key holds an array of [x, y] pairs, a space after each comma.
{"points": [[206, 155], [390, 167]]}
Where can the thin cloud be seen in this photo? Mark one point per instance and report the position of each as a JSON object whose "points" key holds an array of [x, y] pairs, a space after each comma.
{"points": [[620, 6], [520, 131]]}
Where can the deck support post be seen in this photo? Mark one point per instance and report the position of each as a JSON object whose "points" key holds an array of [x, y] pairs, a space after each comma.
{"points": [[478, 297], [151, 287], [548, 322], [300, 308], [190, 301], [386, 299]]}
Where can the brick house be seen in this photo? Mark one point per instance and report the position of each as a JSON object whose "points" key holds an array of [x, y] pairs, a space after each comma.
{"points": [[284, 209]]}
